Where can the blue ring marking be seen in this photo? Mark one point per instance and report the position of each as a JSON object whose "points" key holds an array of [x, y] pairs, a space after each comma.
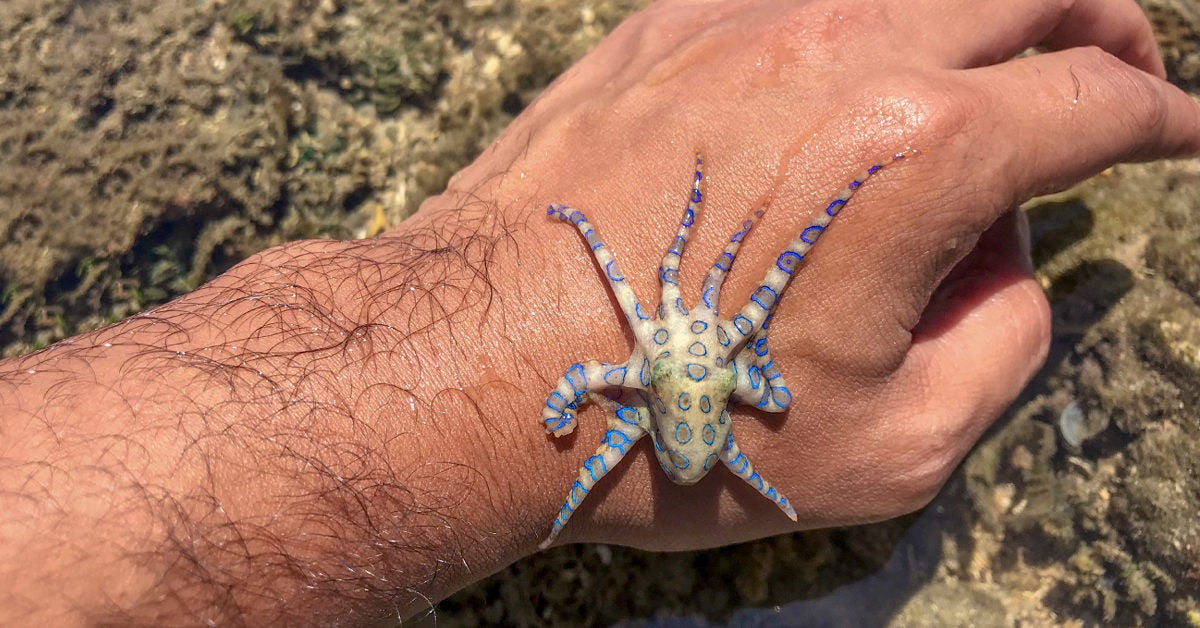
{"points": [[740, 235], [592, 238], [677, 245], [627, 415], [709, 460], [577, 217], [644, 375], [772, 494], [723, 419], [560, 407], [696, 197], [729, 441], [804, 234], [595, 461], [685, 401], [697, 371], [767, 321], [683, 433], [657, 441], [698, 327], [767, 367], [680, 306], [707, 297], [689, 217], [639, 312], [698, 349], [709, 434], [788, 261], [661, 336], [765, 297], [578, 388], [608, 269], [662, 355], [875, 168], [659, 311], [727, 259], [720, 361], [669, 275], [742, 324], [676, 459], [610, 440], [659, 405], [562, 421], [722, 336], [608, 377], [854, 184], [834, 207], [740, 458], [755, 477], [755, 377], [785, 393], [760, 347], [705, 405]]}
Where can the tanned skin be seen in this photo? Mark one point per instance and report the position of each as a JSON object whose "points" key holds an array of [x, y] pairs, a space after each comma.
{"points": [[347, 432]]}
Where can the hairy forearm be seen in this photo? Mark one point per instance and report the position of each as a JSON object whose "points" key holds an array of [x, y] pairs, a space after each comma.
{"points": [[318, 432]]}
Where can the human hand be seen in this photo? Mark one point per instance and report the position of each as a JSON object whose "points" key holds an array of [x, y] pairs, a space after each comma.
{"points": [[916, 320]]}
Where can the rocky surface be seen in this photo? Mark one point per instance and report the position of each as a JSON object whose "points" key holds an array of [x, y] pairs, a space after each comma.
{"points": [[146, 145]]}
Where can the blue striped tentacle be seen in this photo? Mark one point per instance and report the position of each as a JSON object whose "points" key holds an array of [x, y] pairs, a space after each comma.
{"points": [[710, 291], [592, 376], [668, 273], [779, 275], [737, 462], [627, 423], [642, 326], [759, 381]]}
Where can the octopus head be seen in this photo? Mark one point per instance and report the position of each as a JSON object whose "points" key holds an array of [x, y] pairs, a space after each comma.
{"points": [[691, 422]]}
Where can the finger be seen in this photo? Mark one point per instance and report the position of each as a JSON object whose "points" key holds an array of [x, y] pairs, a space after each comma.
{"points": [[984, 336], [1075, 112], [1025, 127], [992, 31], [1119, 27]]}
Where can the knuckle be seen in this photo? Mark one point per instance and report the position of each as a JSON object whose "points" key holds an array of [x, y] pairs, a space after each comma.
{"points": [[927, 110], [929, 460], [1140, 100], [916, 485]]}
